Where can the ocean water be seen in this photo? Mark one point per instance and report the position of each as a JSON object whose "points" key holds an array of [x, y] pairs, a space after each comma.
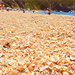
{"points": [[60, 13]]}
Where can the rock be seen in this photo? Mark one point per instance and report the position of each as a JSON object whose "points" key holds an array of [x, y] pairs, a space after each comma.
{"points": [[14, 44], [1, 28], [6, 45], [12, 32]]}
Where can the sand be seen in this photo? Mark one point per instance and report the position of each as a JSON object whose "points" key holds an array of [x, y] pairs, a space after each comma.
{"points": [[32, 44]]}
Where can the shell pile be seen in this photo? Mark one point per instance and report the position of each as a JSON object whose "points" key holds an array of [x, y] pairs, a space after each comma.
{"points": [[32, 44]]}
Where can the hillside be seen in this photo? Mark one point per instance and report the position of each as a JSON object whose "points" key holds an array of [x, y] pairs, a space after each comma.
{"points": [[63, 5]]}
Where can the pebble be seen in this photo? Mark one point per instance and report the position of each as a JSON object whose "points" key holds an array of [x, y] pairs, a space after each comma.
{"points": [[12, 32]]}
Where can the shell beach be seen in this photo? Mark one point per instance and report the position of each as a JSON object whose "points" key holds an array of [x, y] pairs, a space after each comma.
{"points": [[32, 44]]}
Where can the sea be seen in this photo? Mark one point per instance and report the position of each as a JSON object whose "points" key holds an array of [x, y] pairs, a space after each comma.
{"points": [[60, 13]]}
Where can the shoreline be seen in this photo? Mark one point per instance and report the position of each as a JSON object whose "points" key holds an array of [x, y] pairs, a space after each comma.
{"points": [[38, 12]]}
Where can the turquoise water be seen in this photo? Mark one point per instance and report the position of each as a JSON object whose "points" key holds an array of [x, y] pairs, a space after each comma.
{"points": [[61, 13]]}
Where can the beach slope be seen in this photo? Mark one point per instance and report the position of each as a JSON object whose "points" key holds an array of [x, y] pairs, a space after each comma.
{"points": [[32, 44]]}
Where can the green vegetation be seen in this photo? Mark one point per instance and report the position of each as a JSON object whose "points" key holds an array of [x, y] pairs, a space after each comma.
{"points": [[10, 3], [64, 5]]}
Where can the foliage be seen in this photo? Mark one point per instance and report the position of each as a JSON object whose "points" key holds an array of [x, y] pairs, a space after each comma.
{"points": [[40, 4]]}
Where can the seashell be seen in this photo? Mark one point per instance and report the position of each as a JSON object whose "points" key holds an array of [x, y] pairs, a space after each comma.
{"points": [[52, 59], [21, 61], [49, 63], [41, 68], [20, 69], [1, 46], [72, 58], [65, 68], [73, 67], [30, 68], [46, 67], [0, 67], [5, 64], [1, 54], [36, 68], [5, 71], [17, 37], [14, 72], [65, 73], [24, 74], [32, 64], [31, 73], [21, 45], [14, 44], [37, 73], [6, 45], [0, 72]]}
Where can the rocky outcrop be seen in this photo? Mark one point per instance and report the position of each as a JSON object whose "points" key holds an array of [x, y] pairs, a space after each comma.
{"points": [[58, 5]]}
